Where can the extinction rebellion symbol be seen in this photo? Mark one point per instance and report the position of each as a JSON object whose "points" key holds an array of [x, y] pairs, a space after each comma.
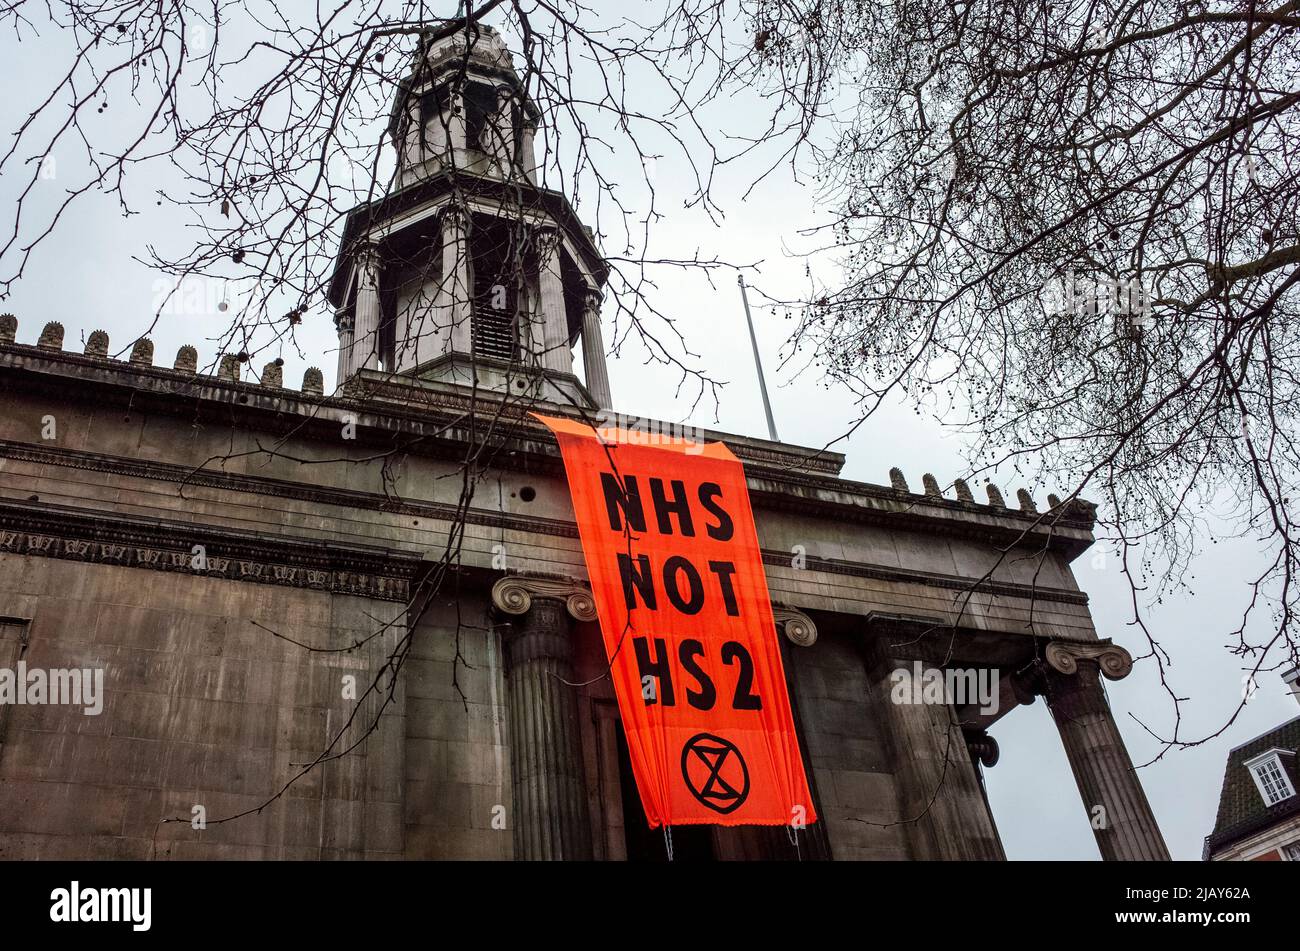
{"points": [[715, 772]]}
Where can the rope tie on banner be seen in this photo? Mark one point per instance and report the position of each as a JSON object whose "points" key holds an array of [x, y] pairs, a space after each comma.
{"points": [[668, 841], [792, 833]]}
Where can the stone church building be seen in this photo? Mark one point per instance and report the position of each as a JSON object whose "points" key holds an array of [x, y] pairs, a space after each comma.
{"points": [[354, 624]]}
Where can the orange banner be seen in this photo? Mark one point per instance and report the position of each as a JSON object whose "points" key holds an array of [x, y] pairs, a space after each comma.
{"points": [[677, 576]]}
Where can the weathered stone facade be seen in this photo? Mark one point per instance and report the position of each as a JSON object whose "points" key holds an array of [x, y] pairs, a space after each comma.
{"points": [[205, 704]]}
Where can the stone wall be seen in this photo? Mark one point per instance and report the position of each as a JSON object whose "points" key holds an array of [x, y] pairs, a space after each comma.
{"points": [[457, 782], [844, 740], [201, 707]]}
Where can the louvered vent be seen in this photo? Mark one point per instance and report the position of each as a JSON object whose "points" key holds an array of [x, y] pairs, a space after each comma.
{"points": [[494, 335]]}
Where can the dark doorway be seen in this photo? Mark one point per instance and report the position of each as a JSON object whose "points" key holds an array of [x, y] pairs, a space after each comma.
{"points": [[644, 844]]}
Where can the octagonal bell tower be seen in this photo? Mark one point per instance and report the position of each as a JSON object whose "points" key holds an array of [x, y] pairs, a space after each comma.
{"points": [[469, 271]]}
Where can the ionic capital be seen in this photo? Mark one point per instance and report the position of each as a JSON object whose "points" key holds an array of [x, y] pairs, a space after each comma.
{"points": [[1064, 656], [548, 243], [796, 625], [455, 222], [514, 594]]}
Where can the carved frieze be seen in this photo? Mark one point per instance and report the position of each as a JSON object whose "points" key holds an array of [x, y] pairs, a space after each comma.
{"points": [[322, 495], [170, 548]]}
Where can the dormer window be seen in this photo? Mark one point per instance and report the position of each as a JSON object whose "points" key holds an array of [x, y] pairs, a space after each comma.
{"points": [[1271, 775]]}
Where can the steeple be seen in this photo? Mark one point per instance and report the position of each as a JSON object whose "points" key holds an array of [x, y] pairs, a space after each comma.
{"points": [[468, 271]]}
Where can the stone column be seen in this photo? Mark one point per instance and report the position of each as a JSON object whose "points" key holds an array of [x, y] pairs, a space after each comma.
{"points": [[503, 131], [593, 351], [556, 354], [455, 294], [456, 150], [412, 145], [550, 815], [343, 323], [528, 150], [940, 796], [1117, 806], [365, 349]]}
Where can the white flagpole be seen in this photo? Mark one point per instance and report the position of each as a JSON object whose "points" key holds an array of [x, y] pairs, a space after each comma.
{"points": [[758, 362]]}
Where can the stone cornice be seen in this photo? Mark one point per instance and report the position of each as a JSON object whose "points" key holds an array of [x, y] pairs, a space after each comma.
{"points": [[384, 393], [48, 531], [435, 420], [187, 475]]}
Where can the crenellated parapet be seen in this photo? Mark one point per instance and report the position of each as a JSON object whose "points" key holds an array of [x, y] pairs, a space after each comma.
{"points": [[1072, 508], [229, 366]]}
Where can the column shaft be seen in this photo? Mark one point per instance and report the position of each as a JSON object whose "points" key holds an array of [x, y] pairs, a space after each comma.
{"points": [[550, 797], [527, 152], [593, 352], [366, 338], [1117, 806], [503, 133], [343, 321], [939, 792], [455, 300], [556, 354]]}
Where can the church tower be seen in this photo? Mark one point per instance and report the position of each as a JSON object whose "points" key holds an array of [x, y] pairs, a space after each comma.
{"points": [[469, 271]]}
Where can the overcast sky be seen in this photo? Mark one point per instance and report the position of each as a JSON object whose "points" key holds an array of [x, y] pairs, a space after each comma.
{"points": [[85, 277]]}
